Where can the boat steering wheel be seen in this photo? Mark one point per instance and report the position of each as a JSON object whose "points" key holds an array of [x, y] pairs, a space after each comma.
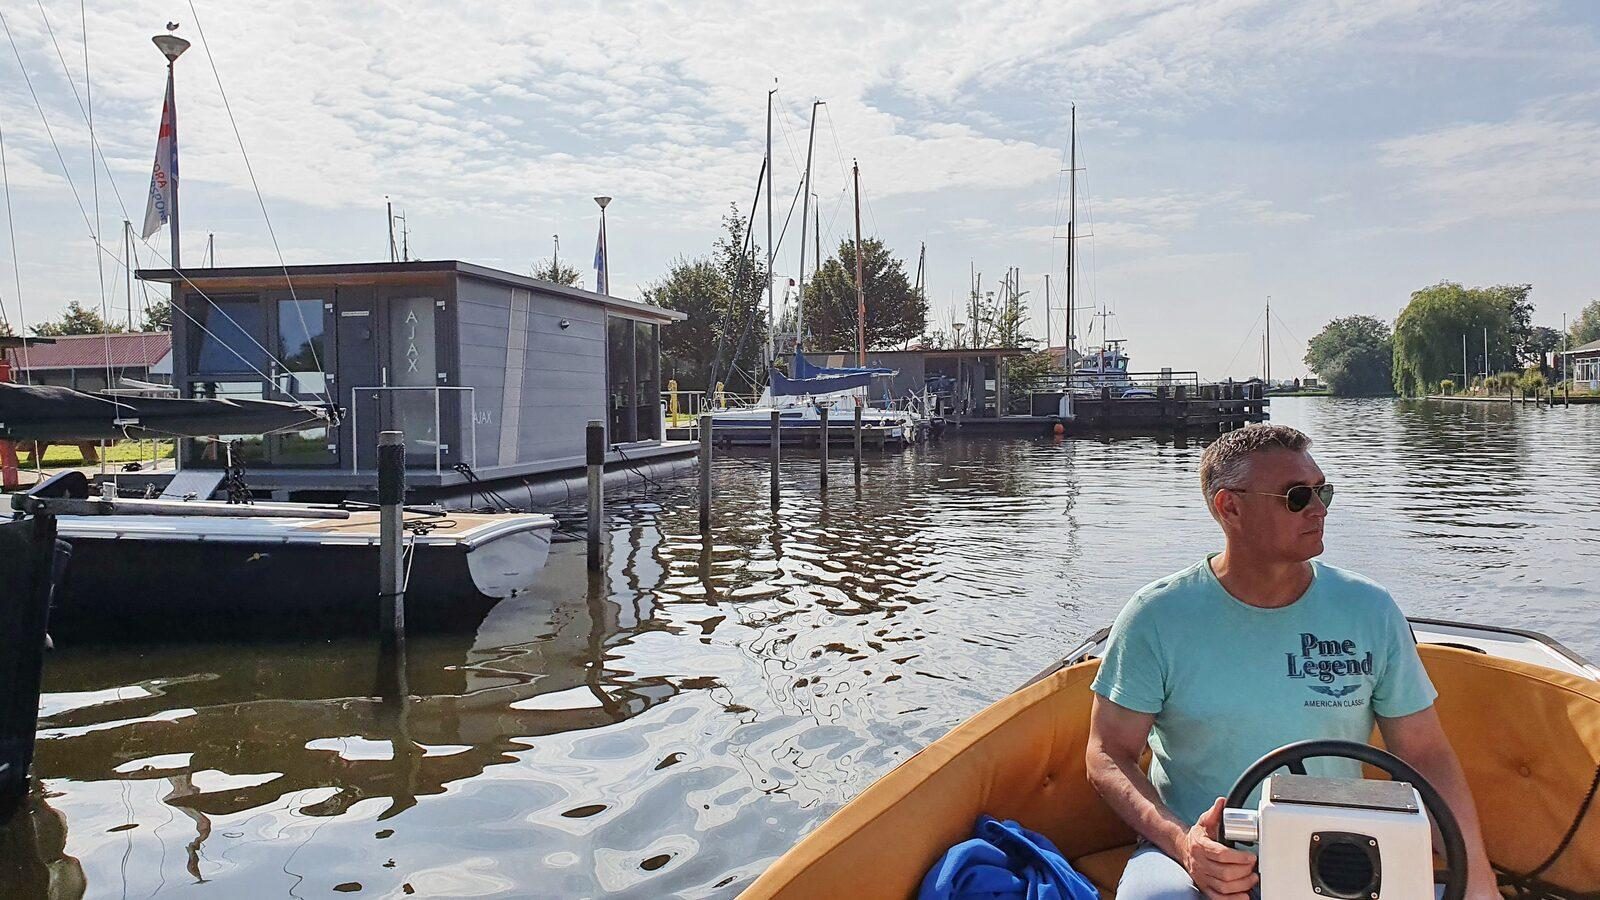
{"points": [[1293, 757]]}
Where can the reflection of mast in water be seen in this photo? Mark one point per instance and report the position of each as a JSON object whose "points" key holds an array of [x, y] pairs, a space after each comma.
{"points": [[183, 786]]}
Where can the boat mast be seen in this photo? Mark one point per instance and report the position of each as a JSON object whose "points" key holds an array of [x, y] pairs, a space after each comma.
{"points": [[1266, 345], [805, 208], [772, 308], [1072, 228], [861, 291]]}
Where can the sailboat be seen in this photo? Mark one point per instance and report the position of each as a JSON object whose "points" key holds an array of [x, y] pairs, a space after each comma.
{"points": [[802, 396]]}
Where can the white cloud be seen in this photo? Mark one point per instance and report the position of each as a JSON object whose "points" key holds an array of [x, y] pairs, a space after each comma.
{"points": [[1537, 163]]}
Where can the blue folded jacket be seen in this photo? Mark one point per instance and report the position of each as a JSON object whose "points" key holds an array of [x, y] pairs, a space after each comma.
{"points": [[1003, 861]]}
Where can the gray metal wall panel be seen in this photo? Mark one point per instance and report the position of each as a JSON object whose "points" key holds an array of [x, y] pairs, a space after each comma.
{"points": [[483, 318], [565, 383]]}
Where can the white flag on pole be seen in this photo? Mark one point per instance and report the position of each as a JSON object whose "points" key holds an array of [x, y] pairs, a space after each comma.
{"points": [[164, 179]]}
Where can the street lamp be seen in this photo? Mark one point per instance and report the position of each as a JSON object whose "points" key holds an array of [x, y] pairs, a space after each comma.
{"points": [[603, 282], [172, 47]]}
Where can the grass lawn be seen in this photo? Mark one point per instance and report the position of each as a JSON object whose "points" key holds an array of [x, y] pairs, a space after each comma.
{"points": [[59, 455]]}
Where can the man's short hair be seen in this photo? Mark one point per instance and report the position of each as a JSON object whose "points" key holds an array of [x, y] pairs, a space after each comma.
{"points": [[1226, 463]]}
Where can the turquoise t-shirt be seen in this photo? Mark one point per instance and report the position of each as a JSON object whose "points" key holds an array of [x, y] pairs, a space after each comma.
{"points": [[1229, 682]]}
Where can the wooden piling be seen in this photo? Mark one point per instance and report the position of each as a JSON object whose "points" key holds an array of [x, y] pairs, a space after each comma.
{"points": [[858, 448], [822, 441], [595, 455], [777, 442], [705, 474], [391, 535]]}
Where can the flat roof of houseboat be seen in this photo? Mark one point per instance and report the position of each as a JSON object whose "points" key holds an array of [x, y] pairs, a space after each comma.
{"points": [[390, 272]]}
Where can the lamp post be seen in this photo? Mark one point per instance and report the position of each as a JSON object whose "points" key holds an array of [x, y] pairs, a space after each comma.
{"points": [[172, 47], [604, 284]]}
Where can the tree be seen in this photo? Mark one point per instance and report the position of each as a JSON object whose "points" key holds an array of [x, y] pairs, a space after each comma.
{"points": [[1026, 373], [556, 272], [157, 317], [744, 324], [1543, 341], [1354, 356], [1587, 326], [692, 287], [77, 320], [1429, 333], [722, 294], [896, 312], [5, 329]]}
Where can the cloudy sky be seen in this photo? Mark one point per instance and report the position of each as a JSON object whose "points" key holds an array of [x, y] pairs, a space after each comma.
{"points": [[1333, 155]]}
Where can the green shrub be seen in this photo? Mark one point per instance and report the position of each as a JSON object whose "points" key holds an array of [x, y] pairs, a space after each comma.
{"points": [[1447, 387]]}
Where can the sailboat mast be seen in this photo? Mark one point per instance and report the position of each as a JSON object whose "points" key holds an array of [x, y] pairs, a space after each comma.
{"points": [[1072, 229], [772, 308], [805, 209], [127, 265], [1266, 345], [861, 290]]}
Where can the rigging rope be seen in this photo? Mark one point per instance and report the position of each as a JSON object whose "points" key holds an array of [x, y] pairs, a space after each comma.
{"points": [[315, 359], [82, 210]]}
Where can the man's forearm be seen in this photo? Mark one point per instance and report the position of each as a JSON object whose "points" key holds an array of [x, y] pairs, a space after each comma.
{"points": [[1128, 791], [1444, 773]]}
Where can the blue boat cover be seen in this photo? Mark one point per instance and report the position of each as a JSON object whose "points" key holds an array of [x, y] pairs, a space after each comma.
{"points": [[784, 386], [805, 378], [803, 368], [1003, 861]]}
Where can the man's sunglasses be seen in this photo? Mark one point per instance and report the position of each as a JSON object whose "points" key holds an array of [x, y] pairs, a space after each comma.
{"points": [[1299, 497]]}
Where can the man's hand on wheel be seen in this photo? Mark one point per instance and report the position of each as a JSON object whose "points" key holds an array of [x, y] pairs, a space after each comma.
{"points": [[1221, 873]]}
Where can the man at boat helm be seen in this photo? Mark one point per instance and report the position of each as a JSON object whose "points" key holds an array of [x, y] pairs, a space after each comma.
{"points": [[1247, 650]]}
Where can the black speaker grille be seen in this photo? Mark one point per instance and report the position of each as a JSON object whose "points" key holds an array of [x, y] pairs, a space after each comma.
{"points": [[1344, 865]]}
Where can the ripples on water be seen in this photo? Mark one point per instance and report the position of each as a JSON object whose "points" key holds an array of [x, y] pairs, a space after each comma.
{"points": [[671, 726]]}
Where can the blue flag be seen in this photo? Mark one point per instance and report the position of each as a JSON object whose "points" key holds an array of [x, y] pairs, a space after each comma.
{"points": [[601, 276]]}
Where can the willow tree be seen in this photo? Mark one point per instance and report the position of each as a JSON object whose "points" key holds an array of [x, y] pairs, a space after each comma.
{"points": [[1430, 333]]}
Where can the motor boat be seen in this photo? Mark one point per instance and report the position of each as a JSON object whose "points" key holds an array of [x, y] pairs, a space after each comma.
{"points": [[1522, 711], [169, 567]]}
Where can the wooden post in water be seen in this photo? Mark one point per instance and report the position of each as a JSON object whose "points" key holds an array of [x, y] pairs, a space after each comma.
{"points": [[594, 446], [777, 442], [31, 564], [391, 535], [705, 474], [858, 448], [822, 412]]}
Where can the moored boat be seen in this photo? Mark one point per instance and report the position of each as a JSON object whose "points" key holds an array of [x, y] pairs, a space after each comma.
{"points": [[172, 567], [1522, 712]]}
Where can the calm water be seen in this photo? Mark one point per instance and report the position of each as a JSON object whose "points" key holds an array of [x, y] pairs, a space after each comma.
{"points": [[670, 727]]}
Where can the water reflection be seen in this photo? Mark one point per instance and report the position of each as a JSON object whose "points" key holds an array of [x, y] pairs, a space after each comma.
{"points": [[671, 724]]}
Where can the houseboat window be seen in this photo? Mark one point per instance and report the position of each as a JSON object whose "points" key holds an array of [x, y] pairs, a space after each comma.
{"points": [[647, 403], [620, 400], [302, 347], [213, 450], [228, 337], [305, 448]]}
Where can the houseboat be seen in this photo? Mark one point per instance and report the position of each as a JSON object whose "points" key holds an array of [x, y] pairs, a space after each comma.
{"points": [[492, 376]]}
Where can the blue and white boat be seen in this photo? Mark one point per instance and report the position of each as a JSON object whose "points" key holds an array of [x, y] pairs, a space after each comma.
{"points": [[800, 397]]}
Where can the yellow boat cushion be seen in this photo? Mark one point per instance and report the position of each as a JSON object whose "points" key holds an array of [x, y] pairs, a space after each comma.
{"points": [[1528, 738]]}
